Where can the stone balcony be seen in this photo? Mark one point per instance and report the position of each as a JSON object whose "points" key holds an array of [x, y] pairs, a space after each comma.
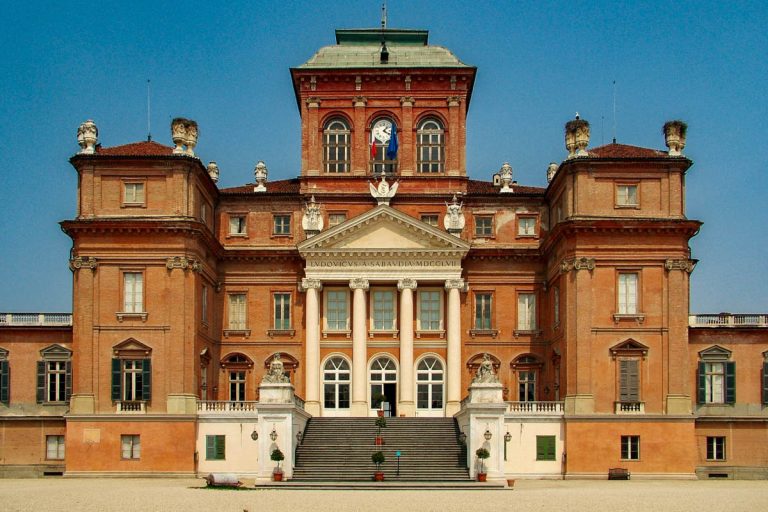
{"points": [[35, 319], [535, 408], [729, 320]]}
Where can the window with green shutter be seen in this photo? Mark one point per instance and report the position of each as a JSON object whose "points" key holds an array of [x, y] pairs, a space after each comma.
{"points": [[629, 380], [215, 447], [5, 382], [545, 448], [730, 382], [765, 383]]}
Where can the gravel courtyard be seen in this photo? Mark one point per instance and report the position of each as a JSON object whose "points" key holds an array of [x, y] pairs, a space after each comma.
{"points": [[187, 495]]}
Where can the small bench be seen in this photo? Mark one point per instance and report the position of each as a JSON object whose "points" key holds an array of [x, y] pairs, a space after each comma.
{"points": [[618, 474]]}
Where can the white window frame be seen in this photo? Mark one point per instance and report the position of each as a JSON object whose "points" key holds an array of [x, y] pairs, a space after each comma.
{"points": [[130, 446], [336, 218], [342, 145], [526, 311], [238, 224], [282, 310], [134, 193], [237, 383], [281, 224], [480, 230], [331, 309], [526, 225], [716, 448], [55, 381], [382, 370], [341, 371], [630, 447], [133, 291], [628, 296], [426, 381], [54, 447], [430, 136], [132, 385], [428, 218], [714, 382], [237, 311], [627, 195], [380, 307], [430, 324], [526, 385]]}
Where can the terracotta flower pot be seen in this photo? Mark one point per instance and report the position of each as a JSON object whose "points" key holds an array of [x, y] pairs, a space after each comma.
{"points": [[378, 476], [379, 441], [277, 477], [481, 477], [380, 413]]}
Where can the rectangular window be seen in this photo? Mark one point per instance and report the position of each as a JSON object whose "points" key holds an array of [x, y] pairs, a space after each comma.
{"points": [[717, 382], [429, 310], [133, 292], [715, 448], [545, 448], [281, 225], [483, 310], [131, 380], [54, 447], [383, 310], [526, 312], [430, 218], [204, 303], [629, 380], [203, 213], [130, 446], [527, 386], [630, 447], [133, 193], [626, 195], [334, 219], [56, 381], [556, 305], [215, 447], [627, 290], [526, 226], [5, 382], [484, 225], [237, 225], [237, 311], [237, 386], [282, 311], [336, 310]]}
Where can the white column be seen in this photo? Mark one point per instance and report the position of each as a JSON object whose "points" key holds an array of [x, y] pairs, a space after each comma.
{"points": [[359, 347], [406, 405], [312, 357], [453, 323]]}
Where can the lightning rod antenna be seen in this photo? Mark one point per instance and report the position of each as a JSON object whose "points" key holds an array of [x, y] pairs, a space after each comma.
{"points": [[383, 15], [614, 111], [149, 105]]}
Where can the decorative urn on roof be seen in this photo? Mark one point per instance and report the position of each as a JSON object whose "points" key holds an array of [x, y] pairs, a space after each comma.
{"points": [[184, 135], [506, 178], [260, 173], [674, 136], [551, 171], [213, 171], [577, 137], [87, 137]]}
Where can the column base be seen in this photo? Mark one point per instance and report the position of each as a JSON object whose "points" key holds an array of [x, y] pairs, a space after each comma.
{"points": [[580, 404], [312, 408], [406, 409], [82, 404], [452, 408], [359, 409], [678, 404]]}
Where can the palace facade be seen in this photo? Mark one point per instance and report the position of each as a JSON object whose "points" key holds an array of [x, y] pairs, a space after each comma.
{"points": [[381, 276]]}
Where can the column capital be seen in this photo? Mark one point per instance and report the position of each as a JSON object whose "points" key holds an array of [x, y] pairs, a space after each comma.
{"points": [[359, 101], [307, 284], [683, 264], [358, 283], [313, 102], [582, 263], [407, 284], [458, 284], [78, 262]]}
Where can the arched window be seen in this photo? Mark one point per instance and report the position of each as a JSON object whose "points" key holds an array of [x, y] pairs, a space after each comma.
{"points": [[429, 389], [336, 376], [527, 367], [383, 146], [430, 144], [336, 146], [237, 365], [383, 376]]}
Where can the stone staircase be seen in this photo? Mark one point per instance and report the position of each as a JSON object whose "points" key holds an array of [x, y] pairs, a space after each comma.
{"points": [[339, 450]]}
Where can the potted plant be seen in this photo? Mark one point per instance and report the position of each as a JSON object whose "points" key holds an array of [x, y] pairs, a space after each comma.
{"points": [[381, 422], [378, 459], [277, 456], [482, 454], [378, 402]]}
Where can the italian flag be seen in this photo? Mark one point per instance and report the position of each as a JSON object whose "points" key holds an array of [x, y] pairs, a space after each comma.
{"points": [[373, 146]]}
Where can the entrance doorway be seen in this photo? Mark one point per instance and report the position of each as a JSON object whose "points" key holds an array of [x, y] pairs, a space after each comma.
{"points": [[383, 378]]}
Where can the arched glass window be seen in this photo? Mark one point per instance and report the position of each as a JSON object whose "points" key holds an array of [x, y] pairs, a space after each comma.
{"points": [[430, 144], [336, 378], [429, 390], [383, 372], [336, 146], [383, 149]]}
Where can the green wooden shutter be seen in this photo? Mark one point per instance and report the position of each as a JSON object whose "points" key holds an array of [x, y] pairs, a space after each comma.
{"points": [[629, 381], [40, 382], [116, 374], [730, 382], [220, 447], [210, 447], [551, 448], [68, 385], [765, 383], [702, 388], [545, 448], [540, 451], [146, 379], [5, 382]]}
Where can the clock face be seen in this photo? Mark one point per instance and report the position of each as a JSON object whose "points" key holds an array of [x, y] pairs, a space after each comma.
{"points": [[382, 130]]}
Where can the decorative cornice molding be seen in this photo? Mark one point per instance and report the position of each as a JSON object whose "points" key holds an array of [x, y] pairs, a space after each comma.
{"points": [[183, 263], [359, 283], [407, 284], [686, 265], [78, 262], [582, 263], [310, 284]]}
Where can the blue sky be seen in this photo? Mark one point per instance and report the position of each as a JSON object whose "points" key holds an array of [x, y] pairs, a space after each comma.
{"points": [[225, 64]]}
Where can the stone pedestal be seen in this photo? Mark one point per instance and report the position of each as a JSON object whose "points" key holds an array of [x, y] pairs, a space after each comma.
{"points": [[181, 404], [276, 393], [679, 404], [82, 404], [484, 412], [579, 404]]}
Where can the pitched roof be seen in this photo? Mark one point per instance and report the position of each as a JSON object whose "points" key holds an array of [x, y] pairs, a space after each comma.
{"points": [[615, 150], [275, 187], [143, 148], [479, 187]]}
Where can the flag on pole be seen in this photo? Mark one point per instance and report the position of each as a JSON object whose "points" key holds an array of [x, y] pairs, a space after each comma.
{"points": [[392, 147], [373, 146]]}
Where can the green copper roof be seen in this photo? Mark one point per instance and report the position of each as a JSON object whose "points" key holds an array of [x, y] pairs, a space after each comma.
{"points": [[361, 48]]}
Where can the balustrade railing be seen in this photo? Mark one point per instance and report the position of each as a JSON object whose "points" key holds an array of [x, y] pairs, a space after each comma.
{"points": [[553, 408], [729, 320], [35, 319], [225, 406], [125, 407]]}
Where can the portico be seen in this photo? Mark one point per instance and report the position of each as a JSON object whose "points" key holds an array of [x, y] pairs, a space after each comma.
{"points": [[404, 278]]}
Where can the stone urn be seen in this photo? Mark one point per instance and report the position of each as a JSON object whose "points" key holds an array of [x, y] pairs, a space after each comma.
{"points": [[674, 136], [570, 142], [87, 137], [179, 135], [260, 173], [190, 139], [580, 130], [213, 171]]}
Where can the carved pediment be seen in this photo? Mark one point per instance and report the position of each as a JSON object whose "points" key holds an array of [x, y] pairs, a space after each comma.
{"points": [[56, 352], [131, 348], [715, 353], [629, 347], [383, 229]]}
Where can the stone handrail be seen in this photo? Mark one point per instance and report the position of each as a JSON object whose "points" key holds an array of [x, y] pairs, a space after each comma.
{"points": [[225, 406], [729, 320], [549, 408], [35, 319]]}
